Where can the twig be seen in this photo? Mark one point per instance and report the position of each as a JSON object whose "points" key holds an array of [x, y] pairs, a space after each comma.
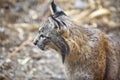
{"points": [[20, 47], [116, 28]]}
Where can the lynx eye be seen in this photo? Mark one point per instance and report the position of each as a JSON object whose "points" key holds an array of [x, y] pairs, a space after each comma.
{"points": [[41, 36]]}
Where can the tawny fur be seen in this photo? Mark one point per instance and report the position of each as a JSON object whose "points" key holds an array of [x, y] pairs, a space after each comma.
{"points": [[93, 54]]}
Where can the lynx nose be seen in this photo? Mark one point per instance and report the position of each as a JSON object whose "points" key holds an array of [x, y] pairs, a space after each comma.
{"points": [[35, 42]]}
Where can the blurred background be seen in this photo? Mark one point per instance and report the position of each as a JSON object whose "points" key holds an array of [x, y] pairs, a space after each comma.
{"points": [[19, 23]]}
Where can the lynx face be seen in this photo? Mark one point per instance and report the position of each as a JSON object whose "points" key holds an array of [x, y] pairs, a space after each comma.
{"points": [[52, 33], [46, 33], [50, 36]]}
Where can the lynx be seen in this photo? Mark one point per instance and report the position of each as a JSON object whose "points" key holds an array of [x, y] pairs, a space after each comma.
{"points": [[86, 52]]}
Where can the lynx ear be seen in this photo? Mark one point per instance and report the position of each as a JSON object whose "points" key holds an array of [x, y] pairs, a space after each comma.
{"points": [[55, 9]]}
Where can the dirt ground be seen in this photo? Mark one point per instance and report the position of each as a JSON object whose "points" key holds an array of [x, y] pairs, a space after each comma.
{"points": [[19, 23]]}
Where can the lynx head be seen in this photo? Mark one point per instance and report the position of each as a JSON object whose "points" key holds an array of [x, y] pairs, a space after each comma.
{"points": [[53, 31]]}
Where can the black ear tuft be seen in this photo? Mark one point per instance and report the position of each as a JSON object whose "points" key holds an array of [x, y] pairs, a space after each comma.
{"points": [[55, 9]]}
